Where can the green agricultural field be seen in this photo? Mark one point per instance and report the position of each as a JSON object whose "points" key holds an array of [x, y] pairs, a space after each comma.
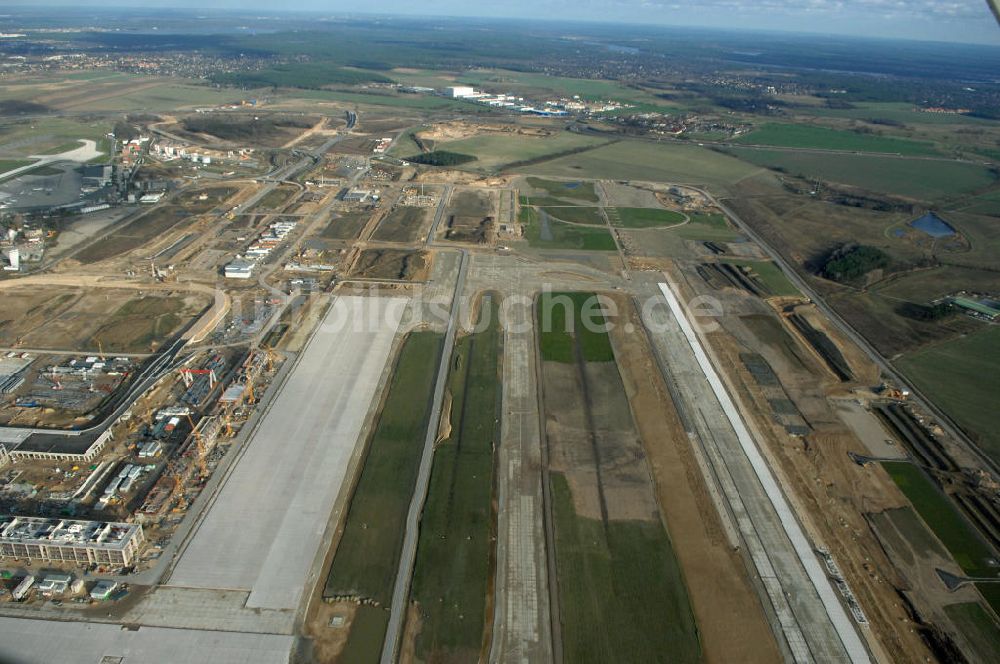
{"points": [[961, 376], [494, 151], [575, 190], [770, 275], [922, 179], [943, 518], [453, 571], [367, 557], [557, 235], [621, 590], [566, 317], [645, 217], [588, 216], [646, 161], [811, 136]]}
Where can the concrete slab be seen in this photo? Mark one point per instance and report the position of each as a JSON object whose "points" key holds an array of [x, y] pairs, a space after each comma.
{"points": [[51, 642], [867, 427], [262, 533]]}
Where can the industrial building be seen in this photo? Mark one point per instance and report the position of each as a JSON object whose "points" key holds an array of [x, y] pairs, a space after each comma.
{"points": [[84, 542]]}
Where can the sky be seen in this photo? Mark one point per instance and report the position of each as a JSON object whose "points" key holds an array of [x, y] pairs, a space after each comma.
{"points": [[937, 20]]}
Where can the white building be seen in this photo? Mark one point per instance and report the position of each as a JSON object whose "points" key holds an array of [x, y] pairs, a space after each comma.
{"points": [[14, 258], [460, 91], [55, 584]]}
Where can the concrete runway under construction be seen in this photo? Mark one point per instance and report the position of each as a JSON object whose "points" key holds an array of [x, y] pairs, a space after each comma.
{"points": [[265, 526]]}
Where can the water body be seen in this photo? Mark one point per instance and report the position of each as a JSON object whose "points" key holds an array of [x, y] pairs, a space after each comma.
{"points": [[933, 225]]}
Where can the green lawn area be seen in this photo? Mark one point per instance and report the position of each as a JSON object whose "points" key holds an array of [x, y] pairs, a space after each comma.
{"points": [[894, 111], [622, 596], [171, 96], [810, 136], [915, 178], [565, 317], [644, 217], [367, 557], [978, 627], [48, 135], [589, 216], [11, 164], [452, 575], [943, 518], [405, 145], [493, 151], [564, 236], [705, 227], [530, 84], [421, 102], [364, 641], [275, 198], [574, 190], [646, 161], [961, 376], [770, 275]]}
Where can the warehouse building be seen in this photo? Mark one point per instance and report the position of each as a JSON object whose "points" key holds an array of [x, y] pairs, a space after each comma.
{"points": [[239, 269], [82, 542]]}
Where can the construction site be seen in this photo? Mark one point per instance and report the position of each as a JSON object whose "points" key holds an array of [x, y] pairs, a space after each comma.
{"points": [[332, 406]]}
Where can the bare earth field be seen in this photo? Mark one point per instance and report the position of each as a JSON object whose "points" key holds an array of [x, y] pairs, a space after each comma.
{"points": [[64, 318]]}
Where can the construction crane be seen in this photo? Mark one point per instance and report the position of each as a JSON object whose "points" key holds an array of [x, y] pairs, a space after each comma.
{"points": [[178, 489], [188, 380], [272, 356], [100, 348], [200, 451]]}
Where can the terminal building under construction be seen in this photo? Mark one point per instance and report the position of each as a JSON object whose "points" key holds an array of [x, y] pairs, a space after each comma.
{"points": [[56, 540]]}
